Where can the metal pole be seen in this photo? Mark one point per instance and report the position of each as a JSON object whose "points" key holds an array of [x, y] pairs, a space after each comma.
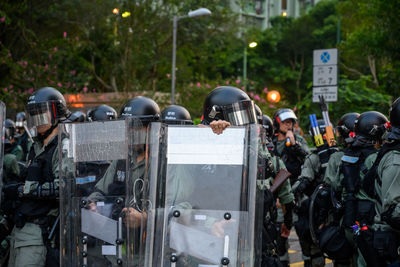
{"points": [[174, 31], [245, 65]]}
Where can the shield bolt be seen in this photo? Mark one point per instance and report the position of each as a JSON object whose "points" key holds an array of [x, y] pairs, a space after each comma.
{"points": [[83, 202], [119, 201], [176, 213], [227, 216], [119, 241], [224, 261], [119, 262], [84, 254], [174, 258], [84, 240]]}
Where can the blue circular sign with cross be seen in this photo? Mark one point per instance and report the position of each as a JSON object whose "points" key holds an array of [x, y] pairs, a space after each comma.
{"points": [[325, 57]]}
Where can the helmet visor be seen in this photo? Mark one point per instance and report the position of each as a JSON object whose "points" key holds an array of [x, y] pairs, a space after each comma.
{"points": [[40, 114], [19, 124], [240, 113]]}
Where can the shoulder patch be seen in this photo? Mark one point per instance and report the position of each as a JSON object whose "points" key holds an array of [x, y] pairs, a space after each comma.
{"points": [[350, 159]]}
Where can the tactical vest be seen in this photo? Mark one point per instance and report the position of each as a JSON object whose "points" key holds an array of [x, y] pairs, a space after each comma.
{"points": [[292, 162], [40, 207], [353, 163], [117, 187], [372, 175]]}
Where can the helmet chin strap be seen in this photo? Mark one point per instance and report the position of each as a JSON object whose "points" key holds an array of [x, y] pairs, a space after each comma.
{"points": [[41, 137]]}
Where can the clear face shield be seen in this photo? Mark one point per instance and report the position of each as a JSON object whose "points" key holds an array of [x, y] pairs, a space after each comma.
{"points": [[20, 124], [237, 114], [40, 116]]}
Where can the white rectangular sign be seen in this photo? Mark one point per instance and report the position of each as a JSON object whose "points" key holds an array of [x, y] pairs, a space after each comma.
{"points": [[325, 75], [329, 93], [196, 145], [325, 57]]}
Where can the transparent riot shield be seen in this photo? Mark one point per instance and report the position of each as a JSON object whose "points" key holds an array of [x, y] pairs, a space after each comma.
{"points": [[201, 204], [93, 198], [2, 119]]}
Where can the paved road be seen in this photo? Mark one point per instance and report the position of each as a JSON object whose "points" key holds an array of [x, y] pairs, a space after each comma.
{"points": [[295, 252]]}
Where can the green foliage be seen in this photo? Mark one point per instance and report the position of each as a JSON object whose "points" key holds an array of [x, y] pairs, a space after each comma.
{"points": [[81, 46], [353, 96]]}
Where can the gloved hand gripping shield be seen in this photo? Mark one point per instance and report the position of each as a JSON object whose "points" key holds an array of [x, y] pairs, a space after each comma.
{"points": [[201, 192], [93, 198]]}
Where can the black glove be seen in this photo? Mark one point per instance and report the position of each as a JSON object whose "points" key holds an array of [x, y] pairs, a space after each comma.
{"points": [[13, 190], [298, 151], [304, 183]]}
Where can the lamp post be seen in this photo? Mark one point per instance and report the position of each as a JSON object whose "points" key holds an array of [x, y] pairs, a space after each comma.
{"points": [[251, 45], [191, 14]]}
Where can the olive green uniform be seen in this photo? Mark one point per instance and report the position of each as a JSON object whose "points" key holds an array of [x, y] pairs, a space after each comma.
{"points": [[310, 172], [18, 152], [388, 192], [11, 169], [27, 246], [334, 178]]}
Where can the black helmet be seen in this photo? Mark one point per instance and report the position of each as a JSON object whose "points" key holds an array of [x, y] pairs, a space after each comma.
{"points": [[346, 124], [259, 114], [20, 119], [175, 114], [10, 128], [268, 125], [230, 104], [77, 116], [46, 106], [102, 113], [370, 125], [394, 113], [143, 108], [283, 114]]}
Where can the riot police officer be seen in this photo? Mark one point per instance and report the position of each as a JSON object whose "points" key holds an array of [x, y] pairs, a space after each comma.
{"points": [[292, 149], [273, 230], [357, 159], [312, 173], [386, 174], [143, 111], [10, 135], [345, 137], [225, 106], [102, 113], [12, 153], [24, 138], [37, 196]]}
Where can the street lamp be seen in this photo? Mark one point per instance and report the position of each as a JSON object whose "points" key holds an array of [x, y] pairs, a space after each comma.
{"points": [[191, 14], [251, 45]]}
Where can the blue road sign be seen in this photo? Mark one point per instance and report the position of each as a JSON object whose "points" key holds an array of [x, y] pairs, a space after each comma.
{"points": [[325, 57]]}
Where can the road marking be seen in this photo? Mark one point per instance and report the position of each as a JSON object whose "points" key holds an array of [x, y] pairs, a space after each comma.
{"points": [[301, 263]]}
